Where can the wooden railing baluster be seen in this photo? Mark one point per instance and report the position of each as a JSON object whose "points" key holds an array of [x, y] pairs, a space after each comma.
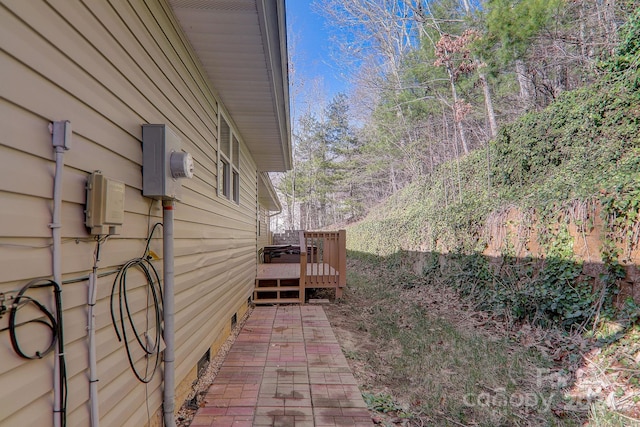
{"points": [[326, 261]]}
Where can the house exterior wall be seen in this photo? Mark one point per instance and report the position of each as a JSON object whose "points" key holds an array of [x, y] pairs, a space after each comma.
{"points": [[109, 67], [264, 228]]}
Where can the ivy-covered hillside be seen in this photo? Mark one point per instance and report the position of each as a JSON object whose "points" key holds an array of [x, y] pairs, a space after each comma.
{"points": [[583, 149]]}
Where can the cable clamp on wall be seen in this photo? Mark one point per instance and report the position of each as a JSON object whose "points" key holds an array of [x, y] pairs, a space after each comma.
{"points": [[55, 225], [3, 306]]}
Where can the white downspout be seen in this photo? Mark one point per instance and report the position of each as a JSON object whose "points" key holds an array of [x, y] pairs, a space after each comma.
{"points": [[168, 313], [61, 139]]}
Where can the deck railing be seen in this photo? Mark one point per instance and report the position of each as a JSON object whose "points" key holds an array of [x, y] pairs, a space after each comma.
{"points": [[323, 260]]}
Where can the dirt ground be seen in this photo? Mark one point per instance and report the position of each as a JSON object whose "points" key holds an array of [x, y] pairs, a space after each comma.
{"points": [[578, 375]]}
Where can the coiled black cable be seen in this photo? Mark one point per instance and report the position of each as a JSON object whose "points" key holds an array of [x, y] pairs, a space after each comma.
{"points": [[125, 317], [54, 323], [50, 322]]}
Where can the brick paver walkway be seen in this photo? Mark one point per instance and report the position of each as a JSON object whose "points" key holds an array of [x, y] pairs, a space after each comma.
{"points": [[284, 369]]}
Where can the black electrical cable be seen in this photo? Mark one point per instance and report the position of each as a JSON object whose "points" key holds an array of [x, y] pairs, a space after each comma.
{"points": [[19, 302], [153, 287], [63, 366], [146, 248], [54, 323]]}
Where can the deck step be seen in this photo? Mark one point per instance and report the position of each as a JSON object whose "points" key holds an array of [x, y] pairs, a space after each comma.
{"points": [[276, 288], [277, 301]]}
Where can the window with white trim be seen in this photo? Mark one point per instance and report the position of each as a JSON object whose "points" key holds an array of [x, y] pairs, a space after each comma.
{"points": [[228, 162]]}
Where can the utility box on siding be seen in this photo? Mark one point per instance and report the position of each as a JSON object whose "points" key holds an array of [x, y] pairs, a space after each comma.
{"points": [[163, 162], [104, 213]]}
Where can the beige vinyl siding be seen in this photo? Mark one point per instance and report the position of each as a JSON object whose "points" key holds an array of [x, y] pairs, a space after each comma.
{"points": [[109, 67], [264, 235]]}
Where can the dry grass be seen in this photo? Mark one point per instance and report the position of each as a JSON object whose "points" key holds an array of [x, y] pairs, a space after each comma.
{"points": [[446, 364]]}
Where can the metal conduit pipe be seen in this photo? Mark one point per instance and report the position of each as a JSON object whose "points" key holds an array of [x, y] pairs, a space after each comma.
{"points": [[61, 140], [168, 312], [93, 368]]}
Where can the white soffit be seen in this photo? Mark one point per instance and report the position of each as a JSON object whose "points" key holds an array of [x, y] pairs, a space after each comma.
{"points": [[267, 194], [242, 46]]}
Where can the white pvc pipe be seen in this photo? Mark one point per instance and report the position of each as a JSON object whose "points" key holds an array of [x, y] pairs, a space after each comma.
{"points": [[56, 233], [93, 368], [168, 312]]}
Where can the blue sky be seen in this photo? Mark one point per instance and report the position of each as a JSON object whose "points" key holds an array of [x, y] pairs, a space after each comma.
{"points": [[312, 48]]}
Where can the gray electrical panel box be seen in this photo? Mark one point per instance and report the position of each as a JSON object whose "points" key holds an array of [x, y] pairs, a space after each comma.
{"points": [[104, 212], [163, 162]]}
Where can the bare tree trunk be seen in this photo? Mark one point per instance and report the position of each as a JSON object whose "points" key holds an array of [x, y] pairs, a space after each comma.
{"points": [[562, 77], [445, 128], [431, 166], [526, 93], [457, 158], [459, 125], [303, 216], [293, 197], [290, 218], [424, 17], [612, 25], [491, 115], [607, 22], [488, 168], [488, 103], [583, 33], [392, 175]]}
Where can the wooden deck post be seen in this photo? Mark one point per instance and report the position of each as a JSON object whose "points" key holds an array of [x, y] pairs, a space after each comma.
{"points": [[303, 267], [342, 262]]}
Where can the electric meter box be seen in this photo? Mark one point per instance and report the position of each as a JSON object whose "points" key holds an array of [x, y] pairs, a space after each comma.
{"points": [[104, 212], [163, 163]]}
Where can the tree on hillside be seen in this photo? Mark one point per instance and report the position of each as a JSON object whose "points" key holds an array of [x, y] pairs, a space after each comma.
{"points": [[553, 45], [343, 146], [322, 185], [433, 79]]}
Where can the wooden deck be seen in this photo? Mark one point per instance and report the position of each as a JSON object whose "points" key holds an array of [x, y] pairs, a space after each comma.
{"points": [[286, 281], [280, 283], [292, 271]]}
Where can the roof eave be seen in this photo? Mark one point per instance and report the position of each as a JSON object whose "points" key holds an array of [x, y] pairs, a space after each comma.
{"points": [[267, 194], [242, 47], [274, 34]]}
